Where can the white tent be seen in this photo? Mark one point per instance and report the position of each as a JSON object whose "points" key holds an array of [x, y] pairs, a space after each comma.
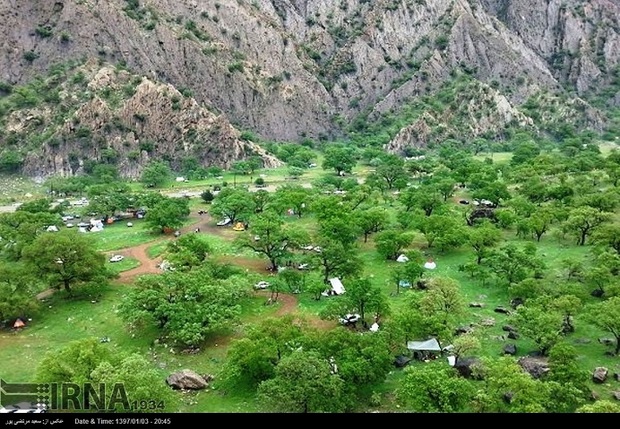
{"points": [[374, 327], [430, 265], [336, 289], [428, 345], [402, 258], [451, 360], [52, 228]]}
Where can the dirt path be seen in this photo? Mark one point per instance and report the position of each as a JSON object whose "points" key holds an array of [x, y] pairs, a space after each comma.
{"points": [[287, 302]]}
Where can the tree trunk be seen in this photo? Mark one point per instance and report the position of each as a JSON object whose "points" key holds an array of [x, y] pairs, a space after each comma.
{"points": [[67, 285], [582, 240], [617, 344]]}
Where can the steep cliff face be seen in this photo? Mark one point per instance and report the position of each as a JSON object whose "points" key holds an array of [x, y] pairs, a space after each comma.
{"points": [[126, 120], [289, 69]]}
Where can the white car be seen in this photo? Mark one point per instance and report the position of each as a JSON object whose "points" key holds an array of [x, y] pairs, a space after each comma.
{"points": [[117, 258], [262, 285]]}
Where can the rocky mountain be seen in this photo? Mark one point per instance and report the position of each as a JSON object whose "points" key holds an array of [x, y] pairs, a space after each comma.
{"points": [[326, 69]]}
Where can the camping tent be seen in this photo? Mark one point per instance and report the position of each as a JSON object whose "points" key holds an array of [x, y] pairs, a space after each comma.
{"points": [[52, 228], [431, 345], [430, 265], [402, 258], [19, 323], [336, 287], [239, 227]]}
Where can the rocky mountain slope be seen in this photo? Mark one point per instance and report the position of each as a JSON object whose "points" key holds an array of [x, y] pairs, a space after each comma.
{"points": [[291, 69]]}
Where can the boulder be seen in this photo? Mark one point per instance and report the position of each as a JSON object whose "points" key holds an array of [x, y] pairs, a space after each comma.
{"points": [[510, 349], [488, 322], [599, 375], [476, 304], [186, 379], [515, 302], [617, 376], [597, 293], [616, 395], [466, 366], [464, 330], [502, 310], [513, 335], [401, 361], [508, 328], [607, 341], [536, 366]]}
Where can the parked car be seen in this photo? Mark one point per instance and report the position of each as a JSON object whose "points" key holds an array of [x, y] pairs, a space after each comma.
{"points": [[117, 258], [262, 285]]}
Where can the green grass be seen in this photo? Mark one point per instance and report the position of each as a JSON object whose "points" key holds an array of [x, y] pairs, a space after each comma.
{"points": [[495, 156], [156, 249]]}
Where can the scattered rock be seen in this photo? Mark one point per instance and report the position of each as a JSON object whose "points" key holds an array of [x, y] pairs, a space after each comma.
{"points": [[515, 302], [476, 304], [466, 366], [513, 335], [498, 337], [186, 379], [488, 322], [464, 330], [510, 349], [597, 293], [502, 310], [616, 395], [617, 376], [508, 328], [599, 375], [401, 361], [607, 341], [536, 366], [583, 341]]}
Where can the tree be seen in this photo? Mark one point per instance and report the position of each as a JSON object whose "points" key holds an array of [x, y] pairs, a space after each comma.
{"points": [[336, 260], [234, 204], [207, 196], [445, 231], [304, 382], [40, 205], [512, 264], [66, 258], [341, 159], [156, 174], [390, 242], [270, 237], [572, 381], [372, 220], [362, 297], [185, 306], [262, 200], [525, 152], [608, 235], [187, 251], [17, 291], [89, 361], [295, 197], [496, 192], [483, 237], [391, 170], [434, 388], [21, 228], [606, 315], [109, 198], [426, 198], [442, 306], [409, 272], [253, 359], [506, 388], [169, 213], [600, 406], [583, 221], [540, 322]]}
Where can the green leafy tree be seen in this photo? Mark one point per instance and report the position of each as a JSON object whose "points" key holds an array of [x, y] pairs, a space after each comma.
{"points": [[187, 251], [295, 197], [362, 297], [304, 382], [169, 213], [17, 291], [371, 220], [185, 306], [583, 221], [262, 200], [109, 198], [606, 315], [445, 231], [572, 381], [341, 159], [66, 258], [482, 238], [234, 204], [336, 260], [426, 198], [253, 359], [539, 322], [513, 264], [506, 388], [434, 387], [21, 228], [40, 205], [391, 242], [156, 174], [600, 406], [270, 237], [391, 170]]}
